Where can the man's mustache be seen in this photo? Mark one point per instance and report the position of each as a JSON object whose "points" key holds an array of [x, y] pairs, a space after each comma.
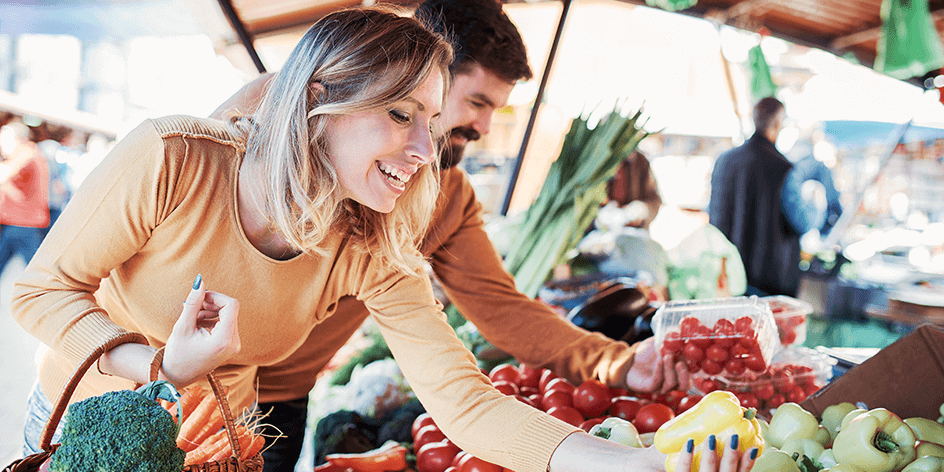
{"points": [[468, 133]]}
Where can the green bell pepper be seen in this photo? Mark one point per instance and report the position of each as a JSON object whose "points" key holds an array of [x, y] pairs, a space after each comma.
{"points": [[805, 447], [833, 415], [774, 460], [877, 441], [791, 421], [617, 430], [827, 459], [926, 464]]}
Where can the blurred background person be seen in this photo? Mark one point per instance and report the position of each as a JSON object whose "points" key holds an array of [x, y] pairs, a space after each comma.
{"points": [[24, 187], [634, 189]]}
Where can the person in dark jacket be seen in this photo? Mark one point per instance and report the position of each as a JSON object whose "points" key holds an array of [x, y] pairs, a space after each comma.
{"points": [[746, 205]]}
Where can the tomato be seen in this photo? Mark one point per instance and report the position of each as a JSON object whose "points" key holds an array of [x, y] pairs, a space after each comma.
{"points": [[536, 399], [625, 407], [553, 398], [586, 425], [739, 351], [567, 414], [618, 392], [788, 336], [734, 366], [723, 333], [764, 391], [688, 326], [708, 386], [506, 387], [672, 344], [686, 403], [784, 381], [716, 353], [427, 434], [529, 376], [436, 456], [811, 388], [748, 400], [546, 376], [711, 367], [528, 391], [693, 353], [505, 372], [651, 416], [755, 361], [796, 394], [673, 397], [701, 337], [776, 400], [526, 401], [424, 419], [591, 398], [459, 456], [560, 384], [743, 323], [470, 463]]}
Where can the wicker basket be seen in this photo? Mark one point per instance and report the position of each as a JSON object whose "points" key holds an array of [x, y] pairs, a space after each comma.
{"points": [[33, 462]]}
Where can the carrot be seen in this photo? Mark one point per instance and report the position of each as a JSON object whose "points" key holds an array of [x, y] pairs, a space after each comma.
{"points": [[187, 437], [254, 447], [207, 449], [214, 423], [242, 435], [191, 398]]}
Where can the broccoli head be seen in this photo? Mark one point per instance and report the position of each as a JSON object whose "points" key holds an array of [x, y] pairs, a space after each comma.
{"points": [[122, 431]]}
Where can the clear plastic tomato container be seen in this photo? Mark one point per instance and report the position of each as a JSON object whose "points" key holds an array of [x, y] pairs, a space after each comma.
{"points": [[795, 373], [790, 315], [734, 337]]}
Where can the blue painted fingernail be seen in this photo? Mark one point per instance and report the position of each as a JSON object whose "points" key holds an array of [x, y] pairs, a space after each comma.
{"points": [[753, 453], [734, 441], [712, 442], [196, 281], [690, 446]]}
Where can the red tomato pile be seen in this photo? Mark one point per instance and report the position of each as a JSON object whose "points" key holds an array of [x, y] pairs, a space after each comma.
{"points": [[731, 348], [582, 405], [781, 383], [789, 327]]}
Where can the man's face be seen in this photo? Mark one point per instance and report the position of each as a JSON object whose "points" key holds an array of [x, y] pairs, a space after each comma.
{"points": [[467, 113]]}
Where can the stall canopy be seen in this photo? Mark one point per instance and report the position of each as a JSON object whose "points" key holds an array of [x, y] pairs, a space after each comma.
{"points": [[859, 134]]}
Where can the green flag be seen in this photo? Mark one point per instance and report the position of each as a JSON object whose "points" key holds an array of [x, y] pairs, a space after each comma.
{"points": [[762, 85], [671, 5], [910, 45]]}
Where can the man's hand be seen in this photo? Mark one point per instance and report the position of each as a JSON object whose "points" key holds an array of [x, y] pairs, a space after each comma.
{"points": [[650, 372]]}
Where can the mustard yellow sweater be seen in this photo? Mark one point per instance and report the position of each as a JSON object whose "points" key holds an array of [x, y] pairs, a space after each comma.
{"points": [[160, 209]]}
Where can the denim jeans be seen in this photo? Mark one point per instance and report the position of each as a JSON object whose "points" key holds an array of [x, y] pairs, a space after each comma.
{"points": [[38, 411]]}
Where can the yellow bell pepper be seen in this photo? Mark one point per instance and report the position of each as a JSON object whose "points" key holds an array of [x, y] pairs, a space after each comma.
{"points": [[925, 448], [805, 447], [844, 468], [927, 430], [791, 421], [849, 417], [877, 441], [833, 415], [826, 459], [773, 460], [926, 464], [617, 430], [822, 436], [719, 413]]}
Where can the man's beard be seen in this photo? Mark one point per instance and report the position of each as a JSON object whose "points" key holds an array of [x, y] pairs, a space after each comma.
{"points": [[451, 154]]}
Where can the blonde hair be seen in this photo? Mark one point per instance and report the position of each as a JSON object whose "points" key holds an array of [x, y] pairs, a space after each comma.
{"points": [[366, 58]]}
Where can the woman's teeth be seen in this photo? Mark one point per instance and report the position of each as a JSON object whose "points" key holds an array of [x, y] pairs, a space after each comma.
{"points": [[393, 173]]}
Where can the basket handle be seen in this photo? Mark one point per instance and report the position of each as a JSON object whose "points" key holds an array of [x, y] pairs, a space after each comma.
{"points": [[63, 403]]}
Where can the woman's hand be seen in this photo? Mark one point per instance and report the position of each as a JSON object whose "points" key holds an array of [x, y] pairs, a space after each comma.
{"points": [[205, 336], [650, 372], [729, 462]]}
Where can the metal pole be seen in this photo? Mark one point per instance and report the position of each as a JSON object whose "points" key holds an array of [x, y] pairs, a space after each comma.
{"points": [[244, 38], [513, 180]]}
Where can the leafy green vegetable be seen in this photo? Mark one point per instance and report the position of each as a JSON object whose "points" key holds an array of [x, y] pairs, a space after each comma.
{"points": [[573, 190], [121, 431], [376, 351]]}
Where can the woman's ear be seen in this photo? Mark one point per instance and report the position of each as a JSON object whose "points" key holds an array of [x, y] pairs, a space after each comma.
{"points": [[315, 90]]}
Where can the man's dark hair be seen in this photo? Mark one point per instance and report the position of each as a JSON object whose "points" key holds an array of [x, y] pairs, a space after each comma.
{"points": [[764, 112], [481, 34]]}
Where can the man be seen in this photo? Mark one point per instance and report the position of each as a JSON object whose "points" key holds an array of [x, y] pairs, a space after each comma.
{"points": [[490, 59], [634, 189], [746, 205], [24, 186]]}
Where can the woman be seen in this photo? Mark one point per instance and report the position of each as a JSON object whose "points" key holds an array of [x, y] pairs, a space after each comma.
{"points": [[323, 193]]}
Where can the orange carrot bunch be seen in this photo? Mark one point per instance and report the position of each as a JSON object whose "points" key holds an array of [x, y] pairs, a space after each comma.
{"points": [[202, 432]]}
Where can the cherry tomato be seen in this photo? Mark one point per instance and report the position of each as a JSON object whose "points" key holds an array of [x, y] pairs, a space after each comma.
{"points": [[529, 376], [459, 456], [708, 385], [424, 419], [526, 401], [734, 366], [673, 397], [776, 400], [625, 407], [567, 414], [536, 399], [688, 326], [672, 344], [546, 376], [788, 336], [586, 425], [764, 391], [716, 353], [755, 361], [811, 388], [436, 456], [591, 398], [693, 353], [470, 463], [506, 387], [686, 403], [723, 333], [711, 367], [796, 394], [618, 392], [784, 381], [743, 323], [560, 384], [505, 372], [651, 416], [553, 398], [528, 391], [701, 337], [427, 434]]}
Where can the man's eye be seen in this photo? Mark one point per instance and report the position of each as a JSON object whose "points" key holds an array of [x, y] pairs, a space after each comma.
{"points": [[478, 104], [399, 116]]}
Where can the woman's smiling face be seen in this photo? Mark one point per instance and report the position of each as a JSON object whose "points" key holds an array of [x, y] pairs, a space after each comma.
{"points": [[377, 151]]}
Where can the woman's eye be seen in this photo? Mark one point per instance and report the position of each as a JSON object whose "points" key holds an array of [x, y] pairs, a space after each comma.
{"points": [[399, 116]]}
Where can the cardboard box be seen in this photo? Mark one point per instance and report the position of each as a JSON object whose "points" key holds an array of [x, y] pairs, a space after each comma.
{"points": [[906, 377]]}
